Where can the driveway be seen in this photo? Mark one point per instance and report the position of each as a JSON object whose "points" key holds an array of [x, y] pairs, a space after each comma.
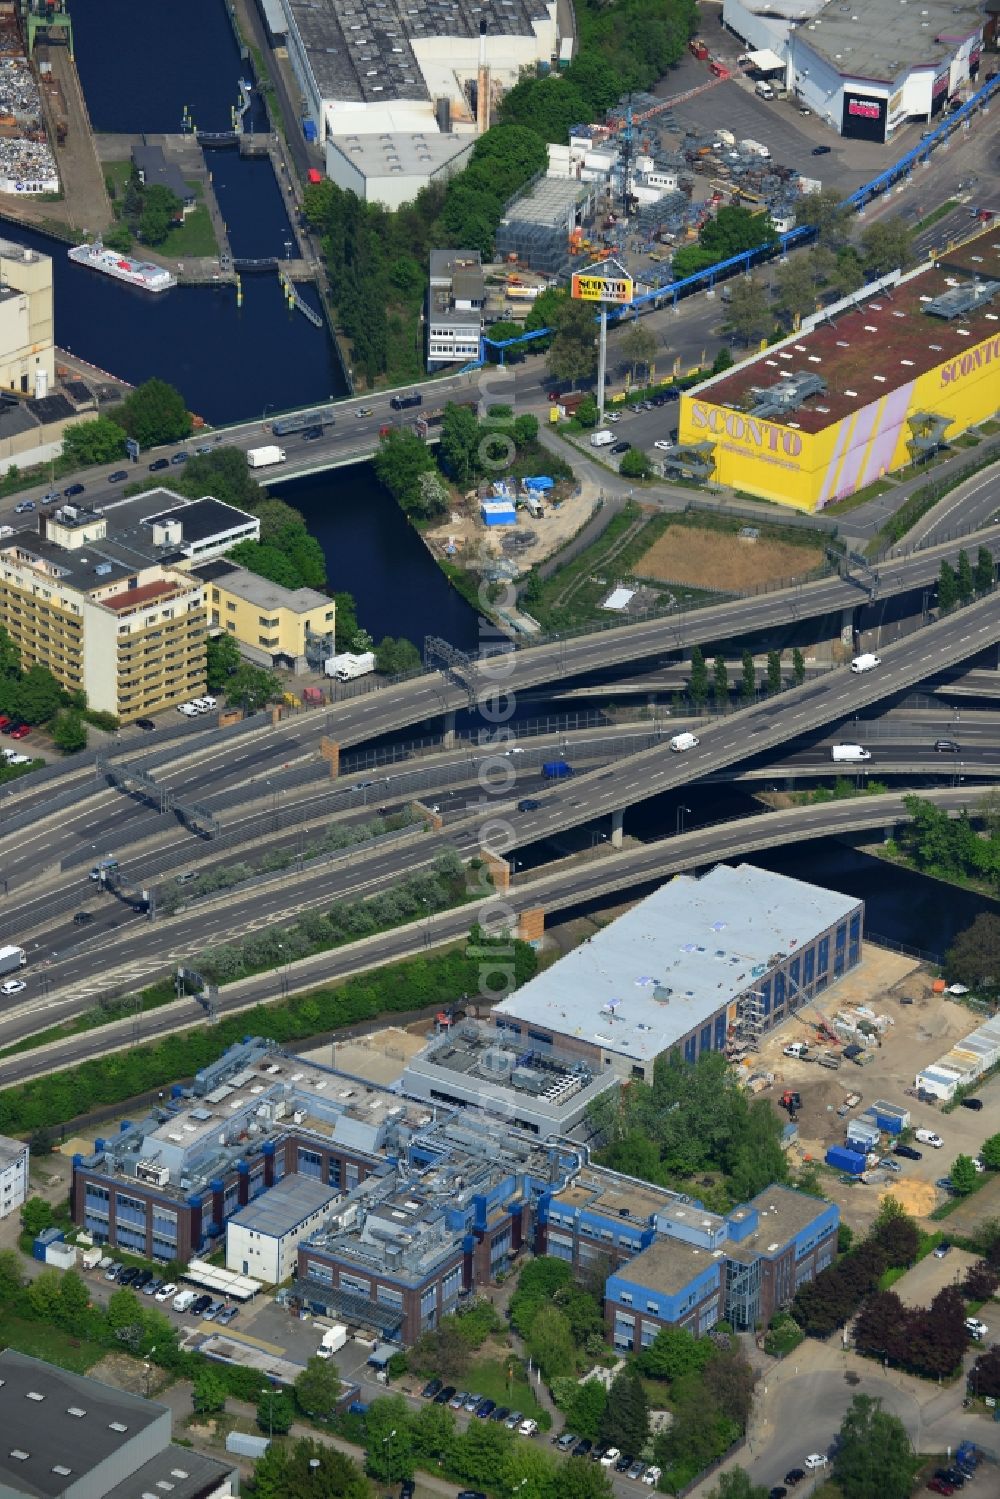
{"points": [[919, 1286]]}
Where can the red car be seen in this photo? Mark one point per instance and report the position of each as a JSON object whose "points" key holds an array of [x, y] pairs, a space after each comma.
{"points": [[22, 732], [940, 1486], [4, 720]]}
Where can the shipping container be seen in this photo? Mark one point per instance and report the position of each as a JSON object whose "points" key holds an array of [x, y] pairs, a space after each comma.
{"points": [[43, 1240], [891, 1117], [863, 1131], [845, 1160]]}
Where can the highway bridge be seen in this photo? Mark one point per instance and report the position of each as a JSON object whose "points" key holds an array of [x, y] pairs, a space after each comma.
{"points": [[572, 884]]}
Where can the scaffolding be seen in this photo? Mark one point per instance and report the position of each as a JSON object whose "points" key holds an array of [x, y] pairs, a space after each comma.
{"points": [[750, 1019]]}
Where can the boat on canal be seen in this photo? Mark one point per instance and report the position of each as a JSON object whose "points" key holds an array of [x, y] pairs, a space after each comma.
{"points": [[141, 273]]}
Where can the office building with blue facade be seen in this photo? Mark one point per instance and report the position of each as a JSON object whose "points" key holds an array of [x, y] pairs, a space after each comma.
{"points": [[700, 965]]}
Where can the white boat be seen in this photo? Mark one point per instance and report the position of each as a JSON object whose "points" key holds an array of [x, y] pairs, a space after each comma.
{"points": [[140, 273]]}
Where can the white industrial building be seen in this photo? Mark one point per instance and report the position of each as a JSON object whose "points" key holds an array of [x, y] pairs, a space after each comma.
{"points": [[262, 1239], [865, 70], [967, 1060], [14, 1155], [455, 299], [417, 76]]}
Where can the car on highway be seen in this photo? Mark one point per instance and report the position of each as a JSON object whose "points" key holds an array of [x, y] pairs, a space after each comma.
{"points": [[82, 918], [947, 747], [206, 447], [73, 489], [528, 804], [21, 732], [821, 150], [158, 464], [364, 411], [13, 986], [619, 447], [971, 1103], [908, 1152], [23, 505], [312, 433], [181, 457], [663, 444], [119, 476]]}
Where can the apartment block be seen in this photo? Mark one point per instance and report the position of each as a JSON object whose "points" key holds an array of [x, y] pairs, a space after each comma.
{"points": [[455, 299], [14, 1157]]}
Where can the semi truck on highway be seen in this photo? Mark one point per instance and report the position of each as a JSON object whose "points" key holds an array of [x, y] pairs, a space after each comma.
{"points": [[346, 666], [400, 403], [849, 754], [265, 457], [11, 959], [866, 662], [322, 417]]}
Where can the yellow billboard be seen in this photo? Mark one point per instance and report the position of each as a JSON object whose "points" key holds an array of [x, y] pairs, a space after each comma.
{"points": [[590, 286], [779, 461]]}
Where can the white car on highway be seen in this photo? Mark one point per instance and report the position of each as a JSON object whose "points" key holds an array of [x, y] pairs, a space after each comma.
{"points": [[13, 986]]}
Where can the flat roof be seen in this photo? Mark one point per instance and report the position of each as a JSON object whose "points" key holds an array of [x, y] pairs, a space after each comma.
{"points": [[864, 353], [599, 1191], [199, 519], [676, 959], [287, 1204], [133, 597], [53, 1420], [668, 1265], [882, 39], [174, 1473], [11, 1150], [401, 153], [262, 592], [548, 202], [783, 1214]]}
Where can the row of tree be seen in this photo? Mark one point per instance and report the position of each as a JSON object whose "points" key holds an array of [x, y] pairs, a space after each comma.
{"points": [[832, 1298], [701, 686], [927, 1341], [438, 978], [692, 1119], [961, 584]]}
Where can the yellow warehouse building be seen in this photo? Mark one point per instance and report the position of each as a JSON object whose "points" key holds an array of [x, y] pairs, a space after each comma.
{"points": [[863, 389]]}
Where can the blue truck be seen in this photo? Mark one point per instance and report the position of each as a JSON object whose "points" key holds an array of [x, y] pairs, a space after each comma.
{"points": [[557, 770]]}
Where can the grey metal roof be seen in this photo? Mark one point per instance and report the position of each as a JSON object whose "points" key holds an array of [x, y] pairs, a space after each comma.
{"points": [[174, 1473], [882, 39], [287, 1204], [676, 959], [10, 1150]]}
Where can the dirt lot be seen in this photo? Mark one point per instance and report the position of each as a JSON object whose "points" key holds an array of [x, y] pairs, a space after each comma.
{"points": [[707, 558], [922, 1030]]}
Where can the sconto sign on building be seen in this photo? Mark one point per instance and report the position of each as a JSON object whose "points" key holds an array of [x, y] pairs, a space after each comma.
{"points": [[864, 116], [592, 286]]}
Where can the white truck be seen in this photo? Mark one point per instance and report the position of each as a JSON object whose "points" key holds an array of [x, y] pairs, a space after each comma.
{"points": [[91, 1258], [334, 1338], [11, 959], [346, 666], [265, 457], [865, 662], [763, 90], [601, 438], [756, 148], [183, 1300], [849, 754], [681, 742]]}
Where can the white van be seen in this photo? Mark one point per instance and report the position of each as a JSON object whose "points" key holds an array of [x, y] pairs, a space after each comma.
{"points": [[866, 662], [528, 1428], [184, 1300], [602, 438], [681, 742], [763, 90]]}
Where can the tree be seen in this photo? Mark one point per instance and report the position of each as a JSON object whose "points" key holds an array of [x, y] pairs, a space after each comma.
{"points": [[573, 354], [222, 660], [118, 237], [974, 957], [459, 446], [672, 1353], [625, 1420], [826, 213], [798, 667], [736, 1484], [729, 1379], [69, 732], [10, 656], [154, 413], [698, 681], [499, 333], [985, 570], [74, 1299], [433, 1432], [874, 1455], [734, 229], [963, 1175], [585, 1410], [38, 695], [720, 682], [308, 1470], [208, 1393], [226, 476], [947, 588], [982, 1279], [586, 412], [43, 1295], [774, 679], [97, 441], [275, 1412], [401, 458], [36, 1216], [748, 312], [748, 678], [550, 1342], [887, 245], [637, 345], [394, 657], [796, 287], [11, 1277], [578, 1479], [990, 1153], [318, 1388], [388, 1440], [635, 464], [965, 580], [722, 361], [160, 209], [536, 1286], [252, 688]]}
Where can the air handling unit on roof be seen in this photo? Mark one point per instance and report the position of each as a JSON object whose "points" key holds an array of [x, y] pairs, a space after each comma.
{"points": [[167, 532], [960, 301], [787, 395]]}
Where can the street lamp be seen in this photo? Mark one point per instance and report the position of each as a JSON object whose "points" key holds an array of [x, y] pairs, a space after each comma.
{"points": [[269, 1392], [387, 1441], [679, 823]]}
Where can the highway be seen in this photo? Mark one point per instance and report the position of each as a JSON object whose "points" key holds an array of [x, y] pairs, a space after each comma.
{"points": [[571, 884]]}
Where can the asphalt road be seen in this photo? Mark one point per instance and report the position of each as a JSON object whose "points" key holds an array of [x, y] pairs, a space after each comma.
{"points": [[69, 991]]}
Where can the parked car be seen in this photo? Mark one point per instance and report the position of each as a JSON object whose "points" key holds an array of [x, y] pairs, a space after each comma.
{"points": [[888, 1164], [942, 1249], [513, 1420], [407, 1489], [528, 1427], [971, 1103], [500, 1414], [21, 732], [23, 506], [566, 1441], [814, 1461], [636, 1471], [582, 1447], [928, 1137], [620, 447], [212, 1310], [158, 464], [652, 1476], [142, 1279], [152, 1285], [778, 1492], [976, 1328], [485, 1409], [821, 150], [457, 1401], [945, 1183], [664, 444], [908, 1152], [119, 476], [71, 490], [227, 1315], [146, 724], [200, 1305], [113, 1271], [940, 1486], [794, 1476], [610, 1456], [431, 1388], [471, 1401], [623, 1464], [444, 1395]]}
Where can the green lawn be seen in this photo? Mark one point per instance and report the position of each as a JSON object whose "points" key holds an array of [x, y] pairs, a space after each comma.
{"points": [[195, 236], [489, 1378], [42, 1341], [117, 173]]}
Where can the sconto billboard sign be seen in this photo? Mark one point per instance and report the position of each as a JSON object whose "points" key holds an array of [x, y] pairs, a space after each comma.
{"points": [[602, 284], [864, 117]]}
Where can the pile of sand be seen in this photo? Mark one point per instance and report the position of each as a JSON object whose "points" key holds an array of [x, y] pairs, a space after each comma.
{"points": [[918, 1198]]}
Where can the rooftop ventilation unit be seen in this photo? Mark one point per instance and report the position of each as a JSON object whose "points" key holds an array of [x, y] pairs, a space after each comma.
{"points": [[787, 395], [962, 300]]}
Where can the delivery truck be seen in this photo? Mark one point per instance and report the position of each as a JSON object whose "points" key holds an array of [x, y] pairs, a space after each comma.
{"points": [[347, 666], [865, 662], [849, 754], [333, 1339], [265, 457], [602, 439], [11, 959], [400, 403], [681, 742]]}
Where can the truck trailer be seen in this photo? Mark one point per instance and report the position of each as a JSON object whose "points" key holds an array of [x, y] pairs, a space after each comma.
{"points": [[347, 666], [265, 457], [11, 959]]}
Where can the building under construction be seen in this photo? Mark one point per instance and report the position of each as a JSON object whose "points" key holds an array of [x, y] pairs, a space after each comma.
{"points": [[542, 226], [706, 964]]}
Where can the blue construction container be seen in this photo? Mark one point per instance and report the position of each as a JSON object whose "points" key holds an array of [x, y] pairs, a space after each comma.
{"points": [[889, 1116], [46, 1237], [845, 1160]]}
